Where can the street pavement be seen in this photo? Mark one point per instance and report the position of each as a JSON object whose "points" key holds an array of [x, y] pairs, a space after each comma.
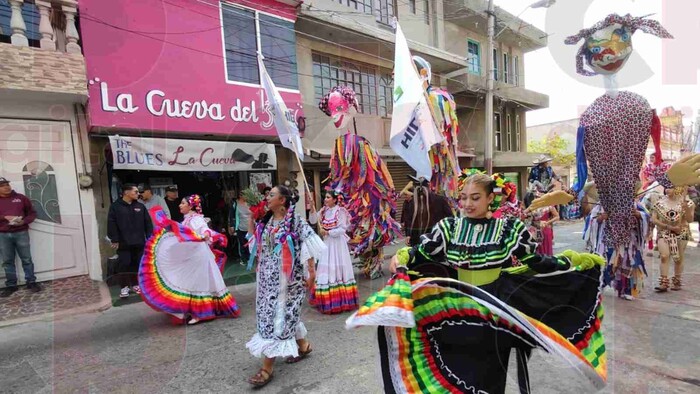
{"points": [[653, 347]]}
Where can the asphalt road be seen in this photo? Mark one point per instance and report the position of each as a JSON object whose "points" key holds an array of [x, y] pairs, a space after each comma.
{"points": [[653, 347]]}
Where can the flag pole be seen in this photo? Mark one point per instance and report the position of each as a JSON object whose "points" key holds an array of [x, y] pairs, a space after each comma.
{"points": [[306, 184]]}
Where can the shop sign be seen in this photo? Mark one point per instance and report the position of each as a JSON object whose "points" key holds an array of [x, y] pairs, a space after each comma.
{"points": [[167, 154]]}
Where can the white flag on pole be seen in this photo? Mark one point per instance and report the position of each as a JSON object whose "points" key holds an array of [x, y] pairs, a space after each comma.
{"points": [[285, 123], [413, 131]]}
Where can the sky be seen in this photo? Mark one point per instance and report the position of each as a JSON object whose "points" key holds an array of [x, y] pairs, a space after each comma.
{"points": [[662, 71]]}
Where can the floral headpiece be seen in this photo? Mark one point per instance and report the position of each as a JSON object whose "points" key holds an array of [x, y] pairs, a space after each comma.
{"points": [[466, 173], [195, 202], [628, 21], [339, 96]]}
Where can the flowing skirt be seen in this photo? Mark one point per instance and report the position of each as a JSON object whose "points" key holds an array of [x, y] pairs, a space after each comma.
{"points": [[181, 275], [336, 289], [450, 336], [546, 247]]}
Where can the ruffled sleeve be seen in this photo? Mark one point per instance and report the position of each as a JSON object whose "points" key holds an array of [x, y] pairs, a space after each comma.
{"points": [[432, 246], [343, 223], [312, 246], [526, 247], [199, 225]]}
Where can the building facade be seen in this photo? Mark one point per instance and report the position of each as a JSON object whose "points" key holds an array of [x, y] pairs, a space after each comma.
{"points": [[351, 43], [672, 134], [43, 144], [566, 130]]}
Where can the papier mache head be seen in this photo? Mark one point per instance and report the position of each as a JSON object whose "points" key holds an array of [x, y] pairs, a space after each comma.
{"points": [[608, 44], [340, 104]]}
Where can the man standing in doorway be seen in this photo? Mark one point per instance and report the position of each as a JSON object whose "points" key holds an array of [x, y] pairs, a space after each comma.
{"points": [[239, 216], [128, 227], [16, 213], [173, 202], [151, 200]]}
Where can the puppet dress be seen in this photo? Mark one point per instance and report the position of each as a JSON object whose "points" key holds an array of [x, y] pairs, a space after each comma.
{"points": [[280, 294], [336, 289], [455, 333], [180, 272]]}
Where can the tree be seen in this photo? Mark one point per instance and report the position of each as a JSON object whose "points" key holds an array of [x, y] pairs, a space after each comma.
{"points": [[555, 147]]}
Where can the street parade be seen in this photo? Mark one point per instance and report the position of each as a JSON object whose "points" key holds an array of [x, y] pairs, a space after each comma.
{"points": [[208, 196]]}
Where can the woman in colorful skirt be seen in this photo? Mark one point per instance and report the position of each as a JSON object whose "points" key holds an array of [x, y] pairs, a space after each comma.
{"points": [[336, 289], [672, 215], [180, 272], [456, 334], [285, 247]]}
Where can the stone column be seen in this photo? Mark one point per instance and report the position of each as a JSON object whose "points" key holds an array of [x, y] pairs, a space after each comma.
{"points": [[47, 39], [19, 29], [71, 31]]}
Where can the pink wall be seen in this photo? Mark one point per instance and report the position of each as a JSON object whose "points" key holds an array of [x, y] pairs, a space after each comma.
{"points": [[136, 47]]}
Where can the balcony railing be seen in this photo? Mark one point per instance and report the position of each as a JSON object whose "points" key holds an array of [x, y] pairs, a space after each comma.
{"points": [[45, 24]]}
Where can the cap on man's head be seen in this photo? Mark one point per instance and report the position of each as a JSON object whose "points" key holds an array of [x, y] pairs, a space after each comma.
{"points": [[3, 180], [171, 189]]}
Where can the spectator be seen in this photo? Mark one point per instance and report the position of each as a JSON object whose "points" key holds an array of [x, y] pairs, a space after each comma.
{"points": [[151, 200], [128, 227], [16, 213], [173, 202], [239, 216]]}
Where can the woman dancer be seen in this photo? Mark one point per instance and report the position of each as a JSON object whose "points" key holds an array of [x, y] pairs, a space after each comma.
{"points": [[180, 272], [444, 335], [672, 213], [336, 289], [285, 247]]}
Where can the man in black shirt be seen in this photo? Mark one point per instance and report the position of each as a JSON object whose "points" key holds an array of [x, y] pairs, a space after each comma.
{"points": [[171, 198], [128, 227]]}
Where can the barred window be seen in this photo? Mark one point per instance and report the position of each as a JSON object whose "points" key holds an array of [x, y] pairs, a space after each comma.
{"points": [[386, 95], [360, 5], [330, 71]]}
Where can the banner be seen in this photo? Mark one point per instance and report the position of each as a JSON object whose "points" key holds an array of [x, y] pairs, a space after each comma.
{"points": [[413, 130], [167, 154], [285, 123]]}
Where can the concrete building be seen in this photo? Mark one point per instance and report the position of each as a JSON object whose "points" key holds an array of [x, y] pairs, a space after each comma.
{"points": [[43, 144], [352, 43], [672, 134]]}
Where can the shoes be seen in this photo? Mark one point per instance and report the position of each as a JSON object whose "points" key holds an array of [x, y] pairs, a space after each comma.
{"points": [[136, 289], [192, 322], [6, 292], [676, 283], [663, 284], [124, 293], [34, 287]]}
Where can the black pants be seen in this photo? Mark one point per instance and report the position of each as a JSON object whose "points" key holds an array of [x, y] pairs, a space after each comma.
{"points": [[243, 250], [129, 260]]}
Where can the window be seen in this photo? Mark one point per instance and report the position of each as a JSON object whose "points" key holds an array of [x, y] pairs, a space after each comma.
{"points": [[412, 6], [495, 65], [247, 30], [41, 189], [473, 57], [360, 5], [426, 10], [30, 14], [517, 133], [508, 143], [497, 132], [386, 97], [386, 12], [330, 71], [505, 68], [516, 71]]}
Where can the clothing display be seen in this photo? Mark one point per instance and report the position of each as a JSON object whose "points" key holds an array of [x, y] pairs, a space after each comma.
{"points": [[281, 249], [180, 272], [336, 289], [448, 335]]}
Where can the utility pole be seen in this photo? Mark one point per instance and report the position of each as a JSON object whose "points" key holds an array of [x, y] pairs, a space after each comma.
{"points": [[488, 133]]}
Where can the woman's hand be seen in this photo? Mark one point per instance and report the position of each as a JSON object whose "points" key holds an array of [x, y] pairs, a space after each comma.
{"points": [[676, 229], [311, 280], [323, 233], [393, 264]]}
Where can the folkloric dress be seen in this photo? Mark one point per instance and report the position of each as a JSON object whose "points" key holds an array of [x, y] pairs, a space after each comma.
{"points": [[180, 273], [448, 335], [281, 267], [336, 289]]}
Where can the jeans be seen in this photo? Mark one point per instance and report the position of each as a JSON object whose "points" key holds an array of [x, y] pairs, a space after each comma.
{"points": [[129, 261], [19, 242], [243, 250]]}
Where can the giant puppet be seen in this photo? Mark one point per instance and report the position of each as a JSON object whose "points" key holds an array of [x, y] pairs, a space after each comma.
{"points": [[358, 172], [620, 120]]}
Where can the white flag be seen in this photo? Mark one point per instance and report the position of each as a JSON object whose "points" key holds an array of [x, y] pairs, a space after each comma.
{"points": [[285, 123], [413, 130]]}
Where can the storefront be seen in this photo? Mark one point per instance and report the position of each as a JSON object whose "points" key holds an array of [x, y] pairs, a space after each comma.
{"points": [[185, 108]]}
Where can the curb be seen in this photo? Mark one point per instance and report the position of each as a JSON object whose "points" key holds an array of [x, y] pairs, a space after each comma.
{"points": [[102, 305]]}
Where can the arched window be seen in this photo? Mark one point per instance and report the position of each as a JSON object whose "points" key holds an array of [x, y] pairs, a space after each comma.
{"points": [[40, 187]]}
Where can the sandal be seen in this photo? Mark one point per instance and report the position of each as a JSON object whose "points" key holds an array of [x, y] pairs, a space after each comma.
{"points": [[302, 355], [261, 378]]}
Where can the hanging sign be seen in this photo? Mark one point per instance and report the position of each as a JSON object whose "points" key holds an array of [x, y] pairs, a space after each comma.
{"points": [[167, 154]]}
